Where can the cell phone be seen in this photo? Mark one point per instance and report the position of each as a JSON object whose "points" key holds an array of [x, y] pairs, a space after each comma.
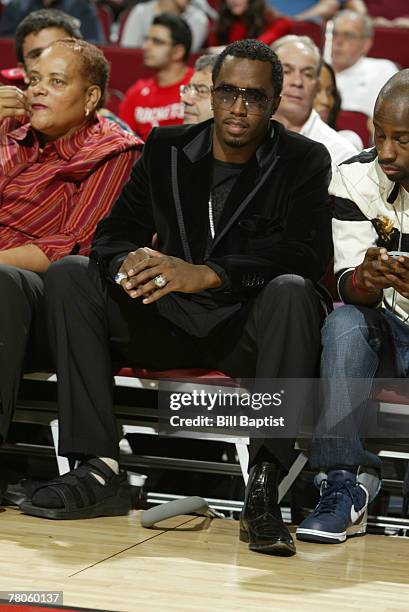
{"points": [[398, 254]]}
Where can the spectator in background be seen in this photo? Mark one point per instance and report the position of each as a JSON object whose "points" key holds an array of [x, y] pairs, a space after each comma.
{"points": [[240, 19], [60, 173], [83, 10], [156, 101], [196, 96], [359, 78], [141, 17], [305, 10], [301, 60], [35, 32], [327, 103]]}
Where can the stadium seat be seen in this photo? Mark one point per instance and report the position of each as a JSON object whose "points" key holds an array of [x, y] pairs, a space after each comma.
{"points": [[106, 18], [357, 122]]}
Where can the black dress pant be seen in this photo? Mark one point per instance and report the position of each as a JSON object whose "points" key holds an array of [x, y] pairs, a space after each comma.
{"points": [[94, 325], [23, 337]]}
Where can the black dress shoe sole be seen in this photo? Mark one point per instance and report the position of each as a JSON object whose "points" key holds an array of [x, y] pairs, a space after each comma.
{"points": [[279, 549]]}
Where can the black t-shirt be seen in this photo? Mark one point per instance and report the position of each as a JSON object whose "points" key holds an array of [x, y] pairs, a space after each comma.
{"points": [[199, 313], [224, 175]]}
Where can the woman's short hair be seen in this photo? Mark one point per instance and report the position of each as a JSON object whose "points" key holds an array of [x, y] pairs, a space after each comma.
{"points": [[95, 67]]}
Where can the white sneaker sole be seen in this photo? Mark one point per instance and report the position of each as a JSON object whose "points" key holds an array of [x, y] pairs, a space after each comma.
{"points": [[329, 537]]}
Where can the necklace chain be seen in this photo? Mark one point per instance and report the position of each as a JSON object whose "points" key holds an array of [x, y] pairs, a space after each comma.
{"points": [[211, 220]]}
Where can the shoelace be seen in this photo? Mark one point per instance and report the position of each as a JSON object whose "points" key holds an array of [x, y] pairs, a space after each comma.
{"points": [[329, 498]]}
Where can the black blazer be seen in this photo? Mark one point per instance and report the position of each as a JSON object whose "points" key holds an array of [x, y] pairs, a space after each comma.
{"points": [[276, 220]]}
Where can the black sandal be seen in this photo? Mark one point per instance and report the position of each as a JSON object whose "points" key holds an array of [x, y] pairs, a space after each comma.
{"points": [[82, 495]]}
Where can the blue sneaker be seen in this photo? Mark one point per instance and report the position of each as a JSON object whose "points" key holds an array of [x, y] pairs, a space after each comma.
{"points": [[340, 513]]}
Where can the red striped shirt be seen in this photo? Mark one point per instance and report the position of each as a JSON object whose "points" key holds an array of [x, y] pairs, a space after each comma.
{"points": [[54, 197]]}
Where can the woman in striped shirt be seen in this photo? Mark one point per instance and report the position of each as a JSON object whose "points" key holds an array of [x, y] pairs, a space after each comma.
{"points": [[61, 169]]}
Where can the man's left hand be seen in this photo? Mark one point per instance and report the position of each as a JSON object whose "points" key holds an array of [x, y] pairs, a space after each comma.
{"points": [[178, 274]]}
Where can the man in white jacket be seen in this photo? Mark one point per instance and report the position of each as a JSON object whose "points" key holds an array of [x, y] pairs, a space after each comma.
{"points": [[367, 338]]}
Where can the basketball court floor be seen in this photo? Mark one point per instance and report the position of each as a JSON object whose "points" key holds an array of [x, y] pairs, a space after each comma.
{"points": [[195, 563]]}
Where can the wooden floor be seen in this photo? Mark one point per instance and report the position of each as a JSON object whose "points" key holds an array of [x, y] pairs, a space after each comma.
{"points": [[196, 564]]}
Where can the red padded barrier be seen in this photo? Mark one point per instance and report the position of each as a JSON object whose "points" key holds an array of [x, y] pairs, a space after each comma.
{"points": [[388, 396], [308, 28], [7, 55], [177, 374], [392, 44], [126, 66]]}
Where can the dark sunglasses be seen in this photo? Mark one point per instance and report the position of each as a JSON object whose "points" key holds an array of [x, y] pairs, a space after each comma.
{"points": [[254, 100]]}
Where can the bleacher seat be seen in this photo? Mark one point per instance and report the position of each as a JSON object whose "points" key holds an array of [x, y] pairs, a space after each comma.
{"points": [[392, 44], [106, 18], [122, 21], [357, 122], [309, 28]]}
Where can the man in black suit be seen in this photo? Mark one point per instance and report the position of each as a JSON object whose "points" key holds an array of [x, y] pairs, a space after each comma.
{"points": [[239, 206]]}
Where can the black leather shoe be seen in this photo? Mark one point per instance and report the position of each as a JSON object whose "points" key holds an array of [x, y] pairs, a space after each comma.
{"points": [[261, 524]]}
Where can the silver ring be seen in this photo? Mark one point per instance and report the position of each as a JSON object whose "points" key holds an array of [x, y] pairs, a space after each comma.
{"points": [[119, 277], [160, 281]]}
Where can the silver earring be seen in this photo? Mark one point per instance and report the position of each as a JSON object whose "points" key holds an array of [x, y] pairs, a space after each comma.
{"points": [[87, 112]]}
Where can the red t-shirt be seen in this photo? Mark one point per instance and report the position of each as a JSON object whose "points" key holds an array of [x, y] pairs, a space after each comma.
{"points": [[147, 105], [275, 28]]}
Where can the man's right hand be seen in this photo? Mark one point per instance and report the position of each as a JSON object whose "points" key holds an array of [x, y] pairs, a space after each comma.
{"points": [[13, 102]]}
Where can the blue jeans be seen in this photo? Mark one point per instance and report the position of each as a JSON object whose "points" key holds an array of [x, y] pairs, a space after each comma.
{"points": [[351, 349]]}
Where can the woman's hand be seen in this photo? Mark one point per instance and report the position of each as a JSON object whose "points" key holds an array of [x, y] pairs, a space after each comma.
{"points": [[13, 102]]}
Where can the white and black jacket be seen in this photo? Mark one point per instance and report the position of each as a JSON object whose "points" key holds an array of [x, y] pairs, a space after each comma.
{"points": [[369, 210]]}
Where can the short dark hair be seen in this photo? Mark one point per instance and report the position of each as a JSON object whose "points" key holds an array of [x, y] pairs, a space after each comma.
{"points": [[252, 49], [94, 65], [179, 30], [45, 18]]}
